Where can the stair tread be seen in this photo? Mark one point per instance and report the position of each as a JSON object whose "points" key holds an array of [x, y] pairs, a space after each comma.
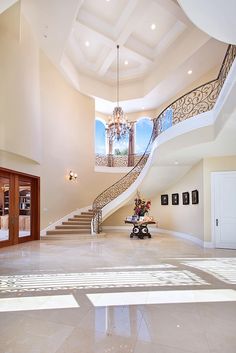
{"points": [[71, 226], [68, 231], [76, 223]]}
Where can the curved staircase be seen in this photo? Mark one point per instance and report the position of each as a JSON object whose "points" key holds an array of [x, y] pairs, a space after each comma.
{"points": [[193, 104], [74, 228]]}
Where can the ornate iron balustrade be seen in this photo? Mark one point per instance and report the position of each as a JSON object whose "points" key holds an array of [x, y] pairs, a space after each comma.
{"points": [[197, 101], [111, 160]]}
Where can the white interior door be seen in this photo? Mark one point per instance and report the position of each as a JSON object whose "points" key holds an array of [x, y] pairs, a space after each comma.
{"points": [[224, 209]]}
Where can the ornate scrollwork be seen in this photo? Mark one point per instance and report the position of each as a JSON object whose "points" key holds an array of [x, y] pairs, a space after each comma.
{"points": [[199, 100]]}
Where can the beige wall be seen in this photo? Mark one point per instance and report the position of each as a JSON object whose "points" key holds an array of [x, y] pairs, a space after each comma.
{"points": [[216, 164], [211, 75], [61, 130], [182, 218], [19, 87], [191, 219], [118, 217]]}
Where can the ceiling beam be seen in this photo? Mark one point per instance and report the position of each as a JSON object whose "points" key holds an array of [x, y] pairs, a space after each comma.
{"points": [[133, 12]]}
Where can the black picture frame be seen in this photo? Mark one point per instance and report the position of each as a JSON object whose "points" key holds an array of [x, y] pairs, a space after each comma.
{"points": [[185, 198], [164, 199], [195, 197], [175, 199]]}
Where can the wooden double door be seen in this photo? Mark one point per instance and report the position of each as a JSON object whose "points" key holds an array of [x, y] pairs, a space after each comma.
{"points": [[19, 207]]}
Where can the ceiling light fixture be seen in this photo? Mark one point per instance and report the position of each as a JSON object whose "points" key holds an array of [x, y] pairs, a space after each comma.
{"points": [[153, 26], [190, 72], [87, 43], [118, 125], [126, 62]]}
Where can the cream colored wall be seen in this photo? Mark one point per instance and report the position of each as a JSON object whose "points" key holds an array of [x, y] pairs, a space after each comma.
{"points": [[210, 75], [216, 164], [180, 218], [118, 217], [19, 87], [188, 219], [64, 134]]}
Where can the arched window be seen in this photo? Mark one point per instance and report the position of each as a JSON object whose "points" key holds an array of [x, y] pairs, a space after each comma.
{"points": [[100, 137], [143, 132]]}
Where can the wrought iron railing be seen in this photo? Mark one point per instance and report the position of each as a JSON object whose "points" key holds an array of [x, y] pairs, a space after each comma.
{"points": [[197, 101], [112, 160]]}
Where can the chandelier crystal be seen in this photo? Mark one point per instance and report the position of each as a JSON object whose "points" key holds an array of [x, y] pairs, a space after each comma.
{"points": [[118, 125]]}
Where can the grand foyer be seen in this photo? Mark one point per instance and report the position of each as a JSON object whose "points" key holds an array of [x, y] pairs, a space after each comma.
{"points": [[108, 293]]}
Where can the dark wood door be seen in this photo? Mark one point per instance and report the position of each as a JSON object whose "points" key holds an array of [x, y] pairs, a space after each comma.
{"points": [[19, 207]]}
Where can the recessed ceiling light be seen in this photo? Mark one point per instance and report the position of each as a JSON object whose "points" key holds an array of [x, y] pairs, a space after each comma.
{"points": [[153, 26], [176, 162], [126, 62], [143, 108], [87, 43], [190, 72]]}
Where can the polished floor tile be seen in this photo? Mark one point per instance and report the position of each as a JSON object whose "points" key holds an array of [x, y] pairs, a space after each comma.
{"points": [[159, 295]]}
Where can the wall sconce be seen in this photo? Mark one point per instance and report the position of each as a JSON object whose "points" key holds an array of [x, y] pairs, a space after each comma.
{"points": [[72, 176]]}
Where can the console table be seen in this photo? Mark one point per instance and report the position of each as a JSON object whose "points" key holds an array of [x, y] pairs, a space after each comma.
{"points": [[140, 229]]}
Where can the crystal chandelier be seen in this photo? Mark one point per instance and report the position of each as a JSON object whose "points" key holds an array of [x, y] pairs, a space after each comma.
{"points": [[118, 125]]}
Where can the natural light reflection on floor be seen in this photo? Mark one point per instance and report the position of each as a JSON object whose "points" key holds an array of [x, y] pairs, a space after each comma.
{"points": [[135, 267], [109, 279], [223, 269], [162, 297], [38, 303]]}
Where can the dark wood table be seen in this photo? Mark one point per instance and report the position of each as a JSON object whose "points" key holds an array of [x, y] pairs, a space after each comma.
{"points": [[140, 229]]}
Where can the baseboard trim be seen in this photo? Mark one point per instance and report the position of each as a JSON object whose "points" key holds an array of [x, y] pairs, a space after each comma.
{"points": [[63, 219], [154, 230]]}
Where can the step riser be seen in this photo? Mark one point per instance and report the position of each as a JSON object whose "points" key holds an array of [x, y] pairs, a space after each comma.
{"points": [[72, 227], [83, 217], [68, 237], [77, 220], [66, 231], [75, 223]]}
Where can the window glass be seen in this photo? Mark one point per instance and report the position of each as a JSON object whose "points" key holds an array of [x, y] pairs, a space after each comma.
{"points": [[100, 137], [143, 132]]}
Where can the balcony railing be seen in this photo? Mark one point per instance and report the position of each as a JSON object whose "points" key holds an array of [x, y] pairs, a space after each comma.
{"points": [[197, 101], [111, 160]]}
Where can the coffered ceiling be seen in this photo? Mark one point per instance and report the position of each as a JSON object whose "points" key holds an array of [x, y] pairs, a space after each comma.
{"points": [[158, 45]]}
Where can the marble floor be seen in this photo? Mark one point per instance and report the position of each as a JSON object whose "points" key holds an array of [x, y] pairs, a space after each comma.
{"points": [[117, 295]]}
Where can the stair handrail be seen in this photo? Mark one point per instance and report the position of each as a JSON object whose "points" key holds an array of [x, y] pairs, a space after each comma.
{"points": [[199, 100]]}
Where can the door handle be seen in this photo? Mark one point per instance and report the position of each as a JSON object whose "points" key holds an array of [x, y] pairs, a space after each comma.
{"points": [[217, 222]]}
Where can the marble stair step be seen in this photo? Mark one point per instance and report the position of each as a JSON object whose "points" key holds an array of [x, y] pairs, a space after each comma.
{"points": [[68, 231], [71, 223], [74, 226], [86, 221], [83, 216], [71, 236]]}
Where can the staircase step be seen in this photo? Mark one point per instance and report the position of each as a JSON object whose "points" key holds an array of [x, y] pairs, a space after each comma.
{"points": [[68, 231], [85, 221], [83, 216], [86, 213], [69, 237], [71, 223], [74, 227]]}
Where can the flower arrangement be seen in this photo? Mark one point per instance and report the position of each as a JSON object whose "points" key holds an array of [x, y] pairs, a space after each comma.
{"points": [[141, 207]]}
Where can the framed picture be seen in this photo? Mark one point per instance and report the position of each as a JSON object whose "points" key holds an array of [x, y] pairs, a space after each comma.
{"points": [[175, 199], [185, 198], [164, 199], [195, 198]]}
